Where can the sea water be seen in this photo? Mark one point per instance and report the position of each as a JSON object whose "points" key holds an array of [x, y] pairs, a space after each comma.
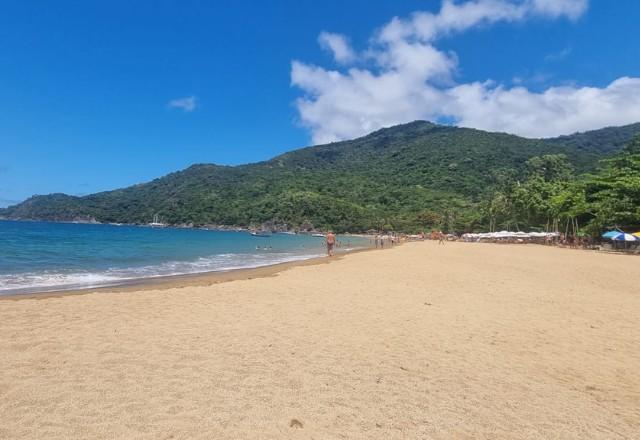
{"points": [[44, 256]]}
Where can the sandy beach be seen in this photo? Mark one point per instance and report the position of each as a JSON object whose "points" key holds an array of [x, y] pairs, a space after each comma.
{"points": [[461, 341]]}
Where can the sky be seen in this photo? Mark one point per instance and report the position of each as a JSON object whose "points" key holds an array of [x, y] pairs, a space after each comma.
{"points": [[97, 95]]}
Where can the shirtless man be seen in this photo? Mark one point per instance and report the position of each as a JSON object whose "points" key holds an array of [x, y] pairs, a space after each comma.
{"points": [[331, 241]]}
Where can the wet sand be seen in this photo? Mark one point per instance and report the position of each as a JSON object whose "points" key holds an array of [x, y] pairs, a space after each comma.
{"points": [[179, 281], [420, 341]]}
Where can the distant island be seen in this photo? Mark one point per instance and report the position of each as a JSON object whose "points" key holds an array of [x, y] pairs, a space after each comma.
{"points": [[410, 177]]}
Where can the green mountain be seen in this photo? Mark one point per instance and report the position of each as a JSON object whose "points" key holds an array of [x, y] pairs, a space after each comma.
{"points": [[607, 140], [387, 179]]}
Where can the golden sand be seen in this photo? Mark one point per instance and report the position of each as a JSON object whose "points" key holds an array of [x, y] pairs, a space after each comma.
{"points": [[461, 341]]}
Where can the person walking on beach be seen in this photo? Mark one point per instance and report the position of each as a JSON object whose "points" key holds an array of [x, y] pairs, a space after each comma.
{"points": [[440, 237], [331, 241]]}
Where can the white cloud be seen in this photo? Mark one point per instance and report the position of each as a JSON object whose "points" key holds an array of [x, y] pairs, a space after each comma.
{"points": [[402, 76], [556, 111], [338, 45], [572, 9], [187, 104], [560, 55], [453, 16]]}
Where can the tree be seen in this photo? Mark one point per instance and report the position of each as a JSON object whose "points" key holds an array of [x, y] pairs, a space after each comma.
{"points": [[547, 177], [550, 167], [428, 219], [613, 193]]}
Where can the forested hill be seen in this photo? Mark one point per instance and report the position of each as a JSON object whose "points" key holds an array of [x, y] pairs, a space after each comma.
{"points": [[386, 179], [607, 140]]}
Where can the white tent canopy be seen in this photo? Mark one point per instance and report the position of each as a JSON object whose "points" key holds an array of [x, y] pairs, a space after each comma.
{"points": [[509, 234]]}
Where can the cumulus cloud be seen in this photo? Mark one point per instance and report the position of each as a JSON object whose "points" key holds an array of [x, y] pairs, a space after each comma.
{"points": [[556, 111], [402, 76], [338, 45], [187, 104]]}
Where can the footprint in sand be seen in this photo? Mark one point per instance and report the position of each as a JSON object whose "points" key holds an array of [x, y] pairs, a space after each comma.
{"points": [[295, 423]]}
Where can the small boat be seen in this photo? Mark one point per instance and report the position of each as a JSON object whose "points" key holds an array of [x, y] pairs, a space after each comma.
{"points": [[156, 223], [261, 233], [317, 234], [288, 232]]}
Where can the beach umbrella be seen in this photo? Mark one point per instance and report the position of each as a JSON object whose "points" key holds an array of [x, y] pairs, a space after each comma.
{"points": [[610, 234], [621, 236], [625, 238], [637, 234]]}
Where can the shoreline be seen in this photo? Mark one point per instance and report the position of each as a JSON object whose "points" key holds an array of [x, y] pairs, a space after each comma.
{"points": [[209, 278], [166, 282]]}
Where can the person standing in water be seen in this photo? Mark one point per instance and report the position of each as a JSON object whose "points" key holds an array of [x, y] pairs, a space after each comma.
{"points": [[331, 241]]}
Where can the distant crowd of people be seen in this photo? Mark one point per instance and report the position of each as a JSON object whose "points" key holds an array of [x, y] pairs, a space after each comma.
{"points": [[382, 241], [390, 240]]}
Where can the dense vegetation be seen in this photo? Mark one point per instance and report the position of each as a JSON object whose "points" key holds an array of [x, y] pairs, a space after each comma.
{"points": [[409, 177], [552, 196]]}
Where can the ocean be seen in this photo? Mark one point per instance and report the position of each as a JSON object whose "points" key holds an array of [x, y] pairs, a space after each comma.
{"points": [[44, 256]]}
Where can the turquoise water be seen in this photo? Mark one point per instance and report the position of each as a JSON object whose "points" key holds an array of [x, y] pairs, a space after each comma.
{"points": [[42, 256]]}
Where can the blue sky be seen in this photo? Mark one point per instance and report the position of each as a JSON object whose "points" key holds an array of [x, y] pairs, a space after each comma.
{"points": [[96, 95]]}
